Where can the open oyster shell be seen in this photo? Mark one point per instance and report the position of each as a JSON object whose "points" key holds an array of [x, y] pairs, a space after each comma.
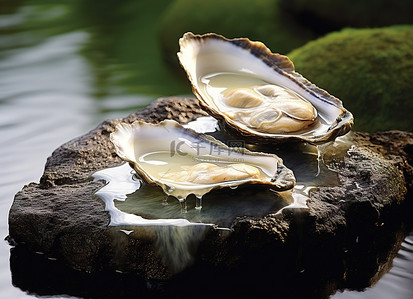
{"points": [[184, 162], [257, 93]]}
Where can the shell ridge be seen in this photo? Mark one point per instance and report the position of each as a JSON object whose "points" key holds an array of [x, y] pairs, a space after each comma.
{"points": [[256, 48]]}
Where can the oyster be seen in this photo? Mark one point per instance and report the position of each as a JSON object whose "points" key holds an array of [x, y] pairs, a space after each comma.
{"points": [[184, 162], [257, 93]]}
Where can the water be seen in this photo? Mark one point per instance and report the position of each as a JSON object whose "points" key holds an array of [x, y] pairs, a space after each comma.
{"points": [[50, 92], [64, 68], [131, 202], [122, 181], [179, 221]]}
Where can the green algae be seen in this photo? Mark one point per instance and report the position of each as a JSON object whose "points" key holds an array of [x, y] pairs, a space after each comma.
{"points": [[370, 70]]}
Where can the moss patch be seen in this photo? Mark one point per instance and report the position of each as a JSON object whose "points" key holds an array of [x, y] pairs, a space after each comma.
{"points": [[370, 70]]}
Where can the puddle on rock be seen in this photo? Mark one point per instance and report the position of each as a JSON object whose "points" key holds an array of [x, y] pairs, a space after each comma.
{"points": [[122, 181], [131, 202], [135, 206], [219, 207]]}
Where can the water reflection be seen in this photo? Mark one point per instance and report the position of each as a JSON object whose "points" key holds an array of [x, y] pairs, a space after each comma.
{"points": [[396, 283], [48, 96], [131, 202], [220, 208], [319, 270], [124, 48]]}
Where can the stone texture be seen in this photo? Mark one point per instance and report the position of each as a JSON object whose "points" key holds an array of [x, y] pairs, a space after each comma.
{"points": [[346, 239]]}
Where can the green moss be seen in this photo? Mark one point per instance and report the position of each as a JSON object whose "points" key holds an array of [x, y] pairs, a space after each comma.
{"points": [[258, 20], [353, 13], [370, 70]]}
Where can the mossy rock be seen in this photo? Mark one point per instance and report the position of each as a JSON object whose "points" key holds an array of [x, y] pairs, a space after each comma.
{"points": [[353, 13], [258, 20], [370, 70]]}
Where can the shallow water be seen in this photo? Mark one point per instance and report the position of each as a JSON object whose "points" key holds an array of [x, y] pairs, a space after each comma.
{"points": [[132, 202], [62, 71]]}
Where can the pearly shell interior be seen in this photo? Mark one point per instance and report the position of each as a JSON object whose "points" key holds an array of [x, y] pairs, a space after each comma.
{"points": [[257, 94], [184, 162], [267, 108]]}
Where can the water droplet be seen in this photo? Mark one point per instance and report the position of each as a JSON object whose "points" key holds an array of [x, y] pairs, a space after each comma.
{"points": [[184, 208], [318, 160], [198, 204], [169, 188], [127, 232], [233, 187]]}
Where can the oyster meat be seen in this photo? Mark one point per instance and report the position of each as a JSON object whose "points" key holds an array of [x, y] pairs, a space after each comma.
{"points": [[257, 93], [184, 162]]}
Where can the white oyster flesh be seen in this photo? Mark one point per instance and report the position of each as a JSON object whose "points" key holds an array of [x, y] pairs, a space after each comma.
{"points": [[258, 92], [267, 108], [184, 162]]}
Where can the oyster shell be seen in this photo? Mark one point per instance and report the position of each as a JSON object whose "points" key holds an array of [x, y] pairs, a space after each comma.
{"points": [[184, 162], [257, 93]]}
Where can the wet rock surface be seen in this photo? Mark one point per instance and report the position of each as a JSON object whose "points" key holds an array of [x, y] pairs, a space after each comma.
{"points": [[346, 239]]}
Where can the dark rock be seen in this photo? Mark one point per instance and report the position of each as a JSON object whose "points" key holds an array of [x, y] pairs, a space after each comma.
{"points": [[346, 239]]}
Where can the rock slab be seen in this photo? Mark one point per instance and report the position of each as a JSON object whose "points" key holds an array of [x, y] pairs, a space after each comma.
{"points": [[346, 239]]}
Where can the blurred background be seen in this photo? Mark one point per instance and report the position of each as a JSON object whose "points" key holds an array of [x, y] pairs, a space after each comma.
{"points": [[67, 65]]}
